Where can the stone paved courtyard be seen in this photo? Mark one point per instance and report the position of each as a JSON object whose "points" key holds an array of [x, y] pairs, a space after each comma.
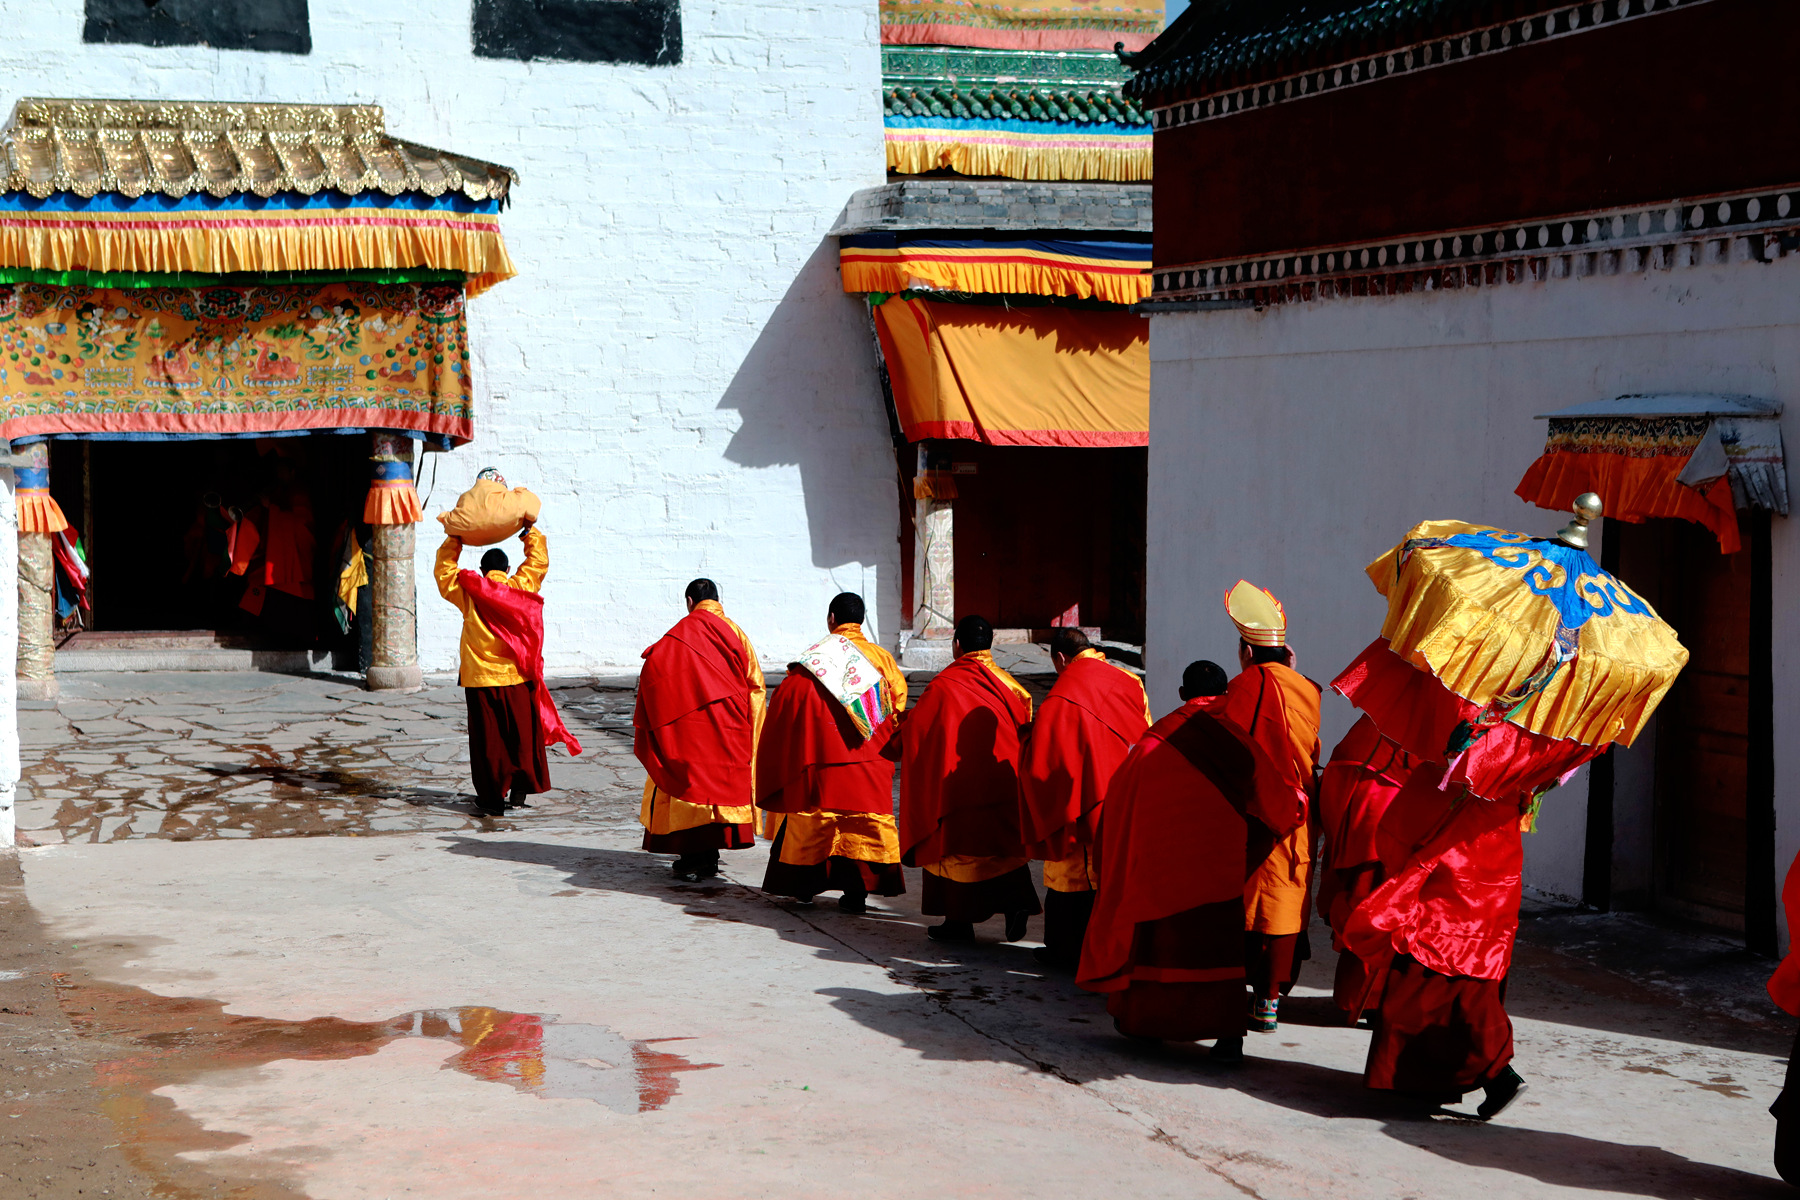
{"points": [[263, 948], [226, 755], [195, 755]]}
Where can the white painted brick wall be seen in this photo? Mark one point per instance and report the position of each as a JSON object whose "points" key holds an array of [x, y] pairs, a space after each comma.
{"points": [[676, 370]]}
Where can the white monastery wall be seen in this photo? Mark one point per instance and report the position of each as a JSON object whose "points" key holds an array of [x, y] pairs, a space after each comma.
{"points": [[1293, 446], [676, 370]]}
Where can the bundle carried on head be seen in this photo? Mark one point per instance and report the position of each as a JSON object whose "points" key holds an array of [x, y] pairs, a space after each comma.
{"points": [[490, 512]]}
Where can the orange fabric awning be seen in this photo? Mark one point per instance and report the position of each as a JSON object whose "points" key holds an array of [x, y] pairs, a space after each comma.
{"points": [[1633, 489], [1635, 463], [1044, 376]]}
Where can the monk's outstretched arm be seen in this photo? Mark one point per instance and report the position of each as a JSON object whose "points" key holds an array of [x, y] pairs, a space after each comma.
{"points": [[446, 570], [530, 575]]}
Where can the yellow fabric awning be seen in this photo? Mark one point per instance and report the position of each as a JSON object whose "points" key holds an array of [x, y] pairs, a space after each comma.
{"points": [[1044, 376]]}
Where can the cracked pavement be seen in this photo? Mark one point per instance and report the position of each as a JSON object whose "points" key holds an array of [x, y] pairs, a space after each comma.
{"points": [[816, 1054]]}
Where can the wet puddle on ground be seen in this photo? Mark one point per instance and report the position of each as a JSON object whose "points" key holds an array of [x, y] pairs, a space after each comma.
{"points": [[164, 1041]]}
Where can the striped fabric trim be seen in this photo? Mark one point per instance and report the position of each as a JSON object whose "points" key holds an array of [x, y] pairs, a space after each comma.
{"points": [[1019, 149], [246, 233], [884, 262]]}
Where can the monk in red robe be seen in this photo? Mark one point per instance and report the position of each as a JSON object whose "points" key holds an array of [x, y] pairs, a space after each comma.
{"points": [[1085, 727], [824, 777], [1784, 989], [1364, 775], [1189, 816], [1278, 708], [512, 719], [959, 792], [273, 546], [699, 713], [1438, 933]]}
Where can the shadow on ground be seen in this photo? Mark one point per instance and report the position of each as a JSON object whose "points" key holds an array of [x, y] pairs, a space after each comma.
{"points": [[991, 1001]]}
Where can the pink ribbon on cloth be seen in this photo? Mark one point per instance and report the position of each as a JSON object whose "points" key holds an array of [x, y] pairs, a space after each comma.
{"points": [[516, 617]]}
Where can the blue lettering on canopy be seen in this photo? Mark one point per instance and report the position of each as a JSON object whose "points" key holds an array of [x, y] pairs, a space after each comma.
{"points": [[1564, 575]]}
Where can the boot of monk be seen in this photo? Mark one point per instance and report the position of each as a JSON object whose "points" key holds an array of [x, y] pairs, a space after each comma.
{"points": [[959, 751], [1079, 739], [1277, 708], [700, 706], [822, 778], [1166, 941]]}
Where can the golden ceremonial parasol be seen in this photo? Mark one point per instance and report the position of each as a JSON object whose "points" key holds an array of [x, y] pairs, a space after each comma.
{"points": [[1512, 659]]}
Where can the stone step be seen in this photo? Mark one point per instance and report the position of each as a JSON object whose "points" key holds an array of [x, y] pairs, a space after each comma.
{"points": [[125, 656]]}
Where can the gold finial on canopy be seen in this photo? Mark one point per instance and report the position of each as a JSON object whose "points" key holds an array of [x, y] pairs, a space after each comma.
{"points": [[1587, 508]]}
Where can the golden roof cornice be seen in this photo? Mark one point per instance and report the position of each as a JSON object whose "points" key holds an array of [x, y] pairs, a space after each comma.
{"points": [[177, 148]]}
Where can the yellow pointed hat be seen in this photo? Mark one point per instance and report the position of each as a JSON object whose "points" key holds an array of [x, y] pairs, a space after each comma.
{"points": [[1258, 615]]}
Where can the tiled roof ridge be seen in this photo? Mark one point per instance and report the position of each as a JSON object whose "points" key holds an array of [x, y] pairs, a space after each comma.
{"points": [[182, 147], [1219, 43], [1026, 103]]}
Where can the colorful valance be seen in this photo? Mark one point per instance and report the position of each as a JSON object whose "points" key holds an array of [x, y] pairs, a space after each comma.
{"points": [[1021, 24], [38, 510], [1698, 466], [392, 498], [244, 232], [1043, 376], [1017, 149], [230, 361], [1090, 270]]}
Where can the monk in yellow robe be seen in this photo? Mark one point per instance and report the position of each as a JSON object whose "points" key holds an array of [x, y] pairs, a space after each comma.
{"points": [[1278, 708], [699, 714], [820, 771], [959, 755]]}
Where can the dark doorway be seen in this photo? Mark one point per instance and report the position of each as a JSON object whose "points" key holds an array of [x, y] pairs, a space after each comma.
{"points": [[159, 522], [1043, 531], [1705, 752]]}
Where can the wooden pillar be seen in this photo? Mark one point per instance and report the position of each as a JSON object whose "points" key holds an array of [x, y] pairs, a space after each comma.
{"points": [[37, 599], [394, 663]]}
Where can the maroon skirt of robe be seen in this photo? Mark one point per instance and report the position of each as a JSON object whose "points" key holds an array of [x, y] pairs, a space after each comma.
{"points": [[1012, 892], [1438, 1036], [851, 876], [1207, 940], [506, 743]]}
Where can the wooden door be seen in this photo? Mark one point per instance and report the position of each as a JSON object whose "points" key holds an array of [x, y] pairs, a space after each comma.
{"points": [[1703, 726]]}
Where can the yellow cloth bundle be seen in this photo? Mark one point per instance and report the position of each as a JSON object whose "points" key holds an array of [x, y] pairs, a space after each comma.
{"points": [[489, 513]]}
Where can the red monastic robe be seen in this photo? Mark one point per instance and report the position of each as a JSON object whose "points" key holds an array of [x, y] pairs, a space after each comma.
{"points": [[959, 774], [812, 756], [1079, 740], [694, 728], [1454, 866], [1364, 775], [1784, 985], [1175, 838], [516, 618]]}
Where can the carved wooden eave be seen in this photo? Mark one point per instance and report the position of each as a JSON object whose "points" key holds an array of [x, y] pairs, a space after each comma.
{"points": [[135, 148]]}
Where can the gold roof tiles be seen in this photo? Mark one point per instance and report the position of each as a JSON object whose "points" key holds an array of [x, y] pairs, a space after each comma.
{"points": [[178, 148]]}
